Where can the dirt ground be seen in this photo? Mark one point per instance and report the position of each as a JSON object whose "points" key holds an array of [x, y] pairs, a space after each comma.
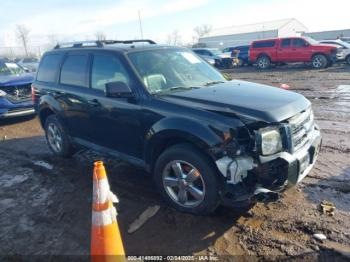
{"points": [[45, 202]]}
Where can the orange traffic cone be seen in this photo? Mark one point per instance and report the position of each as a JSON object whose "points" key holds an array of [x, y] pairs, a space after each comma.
{"points": [[106, 242]]}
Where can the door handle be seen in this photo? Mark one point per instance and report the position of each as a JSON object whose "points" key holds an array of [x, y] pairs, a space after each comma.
{"points": [[57, 93], [94, 102]]}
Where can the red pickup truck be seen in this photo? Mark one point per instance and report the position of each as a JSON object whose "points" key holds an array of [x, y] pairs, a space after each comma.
{"points": [[291, 49]]}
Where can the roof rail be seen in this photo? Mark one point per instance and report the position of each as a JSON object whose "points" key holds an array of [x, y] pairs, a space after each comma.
{"points": [[111, 42], [100, 43]]}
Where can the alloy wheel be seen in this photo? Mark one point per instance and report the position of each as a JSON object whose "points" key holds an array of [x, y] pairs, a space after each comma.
{"points": [[317, 62], [183, 183], [263, 62], [54, 137]]}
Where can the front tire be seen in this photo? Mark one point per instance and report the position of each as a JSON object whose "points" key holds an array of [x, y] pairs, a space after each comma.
{"points": [[348, 60], [57, 138], [263, 62], [319, 61], [187, 179]]}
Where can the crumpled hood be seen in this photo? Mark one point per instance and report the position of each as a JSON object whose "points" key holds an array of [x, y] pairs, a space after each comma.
{"points": [[15, 80], [244, 99]]}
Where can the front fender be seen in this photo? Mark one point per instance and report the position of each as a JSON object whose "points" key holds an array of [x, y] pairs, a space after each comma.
{"points": [[184, 129]]}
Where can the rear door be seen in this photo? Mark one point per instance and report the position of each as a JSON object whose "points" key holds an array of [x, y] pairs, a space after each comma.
{"points": [[73, 86]]}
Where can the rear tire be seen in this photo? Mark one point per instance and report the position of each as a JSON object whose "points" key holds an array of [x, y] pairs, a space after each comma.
{"points": [[57, 138], [188, 180], [319, 61], [263, 62]]}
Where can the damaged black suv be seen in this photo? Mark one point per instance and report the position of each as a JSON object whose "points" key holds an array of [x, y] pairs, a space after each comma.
{"points": [[207, 141]]}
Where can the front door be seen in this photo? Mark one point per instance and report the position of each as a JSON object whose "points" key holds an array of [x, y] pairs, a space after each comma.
{"points": [[301, 50], [117, 122]]}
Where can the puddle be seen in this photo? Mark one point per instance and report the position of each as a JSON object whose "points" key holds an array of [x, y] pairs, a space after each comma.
{"points": [[343, 89], [11, 180], [43, 164]]}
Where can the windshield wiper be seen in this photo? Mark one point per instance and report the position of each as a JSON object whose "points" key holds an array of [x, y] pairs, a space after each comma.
{"points": [[167, 90], [213, 83], [183, 87]]}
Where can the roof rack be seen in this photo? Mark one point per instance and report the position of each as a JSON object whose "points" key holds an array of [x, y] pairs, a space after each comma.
{"points": [[101, 43]]}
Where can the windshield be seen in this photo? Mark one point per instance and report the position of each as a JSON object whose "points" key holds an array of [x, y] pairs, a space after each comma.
{"points": [[311, 40], [216, 51], [7, 69], [167, 70]]}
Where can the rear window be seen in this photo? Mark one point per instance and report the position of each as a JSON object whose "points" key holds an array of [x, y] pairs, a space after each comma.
{"points": [[74, 71], [262, 44], [48, 68]]}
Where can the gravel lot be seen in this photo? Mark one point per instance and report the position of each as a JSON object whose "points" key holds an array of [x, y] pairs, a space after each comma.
{"points": [[45, 202]]}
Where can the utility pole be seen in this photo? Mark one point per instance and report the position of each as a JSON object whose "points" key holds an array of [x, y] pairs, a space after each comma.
{"points": [[140, 24]]}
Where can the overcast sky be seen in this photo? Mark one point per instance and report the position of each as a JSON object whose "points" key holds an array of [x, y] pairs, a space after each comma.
{"points": [[80, 19]]}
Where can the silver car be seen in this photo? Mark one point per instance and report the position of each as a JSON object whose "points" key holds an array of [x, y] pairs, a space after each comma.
{"points": [[30, 64], [343, 53]]}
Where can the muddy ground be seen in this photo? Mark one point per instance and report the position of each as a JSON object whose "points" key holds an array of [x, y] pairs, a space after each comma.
{"points": [[45, 202]]}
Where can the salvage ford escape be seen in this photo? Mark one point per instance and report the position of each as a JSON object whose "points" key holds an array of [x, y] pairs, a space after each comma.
{"points": [[207, 141]]}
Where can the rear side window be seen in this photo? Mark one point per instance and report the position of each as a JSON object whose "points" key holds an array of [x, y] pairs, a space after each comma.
{"points": [[263, 44], [285, 43], [48, 68], [73, 70]]}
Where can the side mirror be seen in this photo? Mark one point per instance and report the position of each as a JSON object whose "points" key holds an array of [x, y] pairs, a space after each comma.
{"points": [[118, 89], [306, 44]]}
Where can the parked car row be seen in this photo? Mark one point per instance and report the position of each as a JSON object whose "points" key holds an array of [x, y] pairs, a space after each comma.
{"points": [[215, 57], [264, 53]]}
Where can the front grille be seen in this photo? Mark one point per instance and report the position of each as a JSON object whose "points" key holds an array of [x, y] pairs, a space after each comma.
{"points": [[17, 93], [301, 128]]}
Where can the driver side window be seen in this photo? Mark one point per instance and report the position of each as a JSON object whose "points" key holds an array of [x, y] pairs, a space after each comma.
{"points": [[297, 42], [106, 69]]}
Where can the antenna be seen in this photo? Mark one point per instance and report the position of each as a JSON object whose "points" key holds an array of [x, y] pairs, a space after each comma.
{"points": [[140, 24]]}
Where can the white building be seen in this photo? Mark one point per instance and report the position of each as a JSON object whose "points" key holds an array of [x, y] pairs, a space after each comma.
{"points": [[245, 34], [330, 35]]}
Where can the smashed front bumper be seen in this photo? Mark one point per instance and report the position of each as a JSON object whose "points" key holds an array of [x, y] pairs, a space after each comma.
{"points": [[258, 179], [9, 109]]}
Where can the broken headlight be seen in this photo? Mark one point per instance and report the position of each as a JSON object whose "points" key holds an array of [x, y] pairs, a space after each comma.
{"points": [[2, 93], [270, 141]]}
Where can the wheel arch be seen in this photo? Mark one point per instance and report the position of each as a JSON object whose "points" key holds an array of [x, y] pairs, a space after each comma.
{"points": [[320, 53], [170, 132], [47, 107], [263, 54]]}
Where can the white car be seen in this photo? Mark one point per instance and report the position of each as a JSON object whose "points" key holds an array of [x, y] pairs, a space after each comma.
{"points": [[343, 53]]}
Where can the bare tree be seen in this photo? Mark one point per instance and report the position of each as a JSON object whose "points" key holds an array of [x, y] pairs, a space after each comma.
{"points": [[22, 33], [174, 38], [201, 31], [100, 36]]}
